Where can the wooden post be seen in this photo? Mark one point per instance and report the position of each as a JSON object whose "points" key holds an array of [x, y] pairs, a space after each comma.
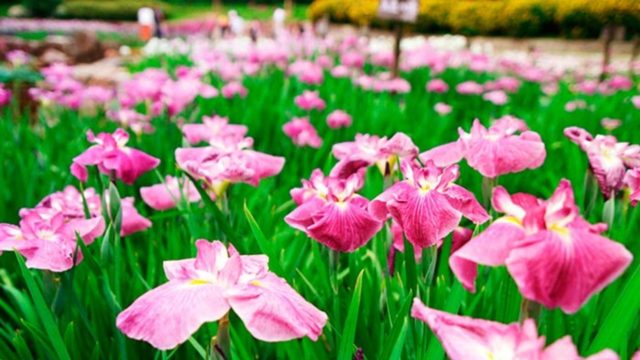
{"points": [[606, 50], [399, 29]]}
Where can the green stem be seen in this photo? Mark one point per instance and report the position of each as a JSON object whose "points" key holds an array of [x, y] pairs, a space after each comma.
{"points": [[529, 310], [220, 348]]}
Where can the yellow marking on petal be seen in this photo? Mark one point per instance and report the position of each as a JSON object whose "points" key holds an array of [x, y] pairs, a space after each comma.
{"points": [[424, 189], [198, 282], [563, 231], [510, 219], [256, 283]]}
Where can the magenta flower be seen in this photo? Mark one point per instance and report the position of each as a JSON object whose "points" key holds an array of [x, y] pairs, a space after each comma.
{"points": [[206, 288], [112, 157], [608, 158], [427, 193], [213, 127], [437, 86], [168, 194], [219, 168], [233, 89], [632, 181], [330, 212], [309, 100], [338, 119], [367, 150], [302, 133], [465, 338], [5, 95], [495, 151], [48, 240], [555, 256]]}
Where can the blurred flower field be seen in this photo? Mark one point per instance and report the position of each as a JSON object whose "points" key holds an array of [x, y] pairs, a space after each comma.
{"points": [[289, 198]]}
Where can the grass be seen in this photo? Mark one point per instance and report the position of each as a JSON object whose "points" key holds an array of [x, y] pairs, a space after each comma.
{"points": [[71, 315]]}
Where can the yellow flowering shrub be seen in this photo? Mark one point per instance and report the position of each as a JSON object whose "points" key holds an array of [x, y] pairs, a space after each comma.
{"points": [[574, 18]]}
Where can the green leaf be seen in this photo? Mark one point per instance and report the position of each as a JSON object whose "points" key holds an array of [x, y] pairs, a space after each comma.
{"points": [[347, 348], [44, 312], [616, 329]]}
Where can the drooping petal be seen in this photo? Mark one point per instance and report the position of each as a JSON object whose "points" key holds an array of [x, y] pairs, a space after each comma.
{"points": [[344, 226], [465, 338], [10, 237], [566, 266], [464, 201], [169, 314], [132, 221], [566, 350], [444, 155], [273, 311], [491, 247]]}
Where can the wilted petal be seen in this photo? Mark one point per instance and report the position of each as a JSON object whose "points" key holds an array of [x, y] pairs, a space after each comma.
{"points": [[273, 311]]}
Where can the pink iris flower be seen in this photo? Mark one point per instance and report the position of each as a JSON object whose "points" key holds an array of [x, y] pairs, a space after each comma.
{"points": [[129, 118], [48, 240], [112, 157], [632, 181], [367, 150], [469, 88], [309, 100], [220, 167], [302, 133], [427, 204], [233, 89], [608, 158], [555, 256], [496, 97], [338, 119], [5, 95], [465, 338], [635, 100], [330, 211], [437, 86], [167, 195], [213, 127], [494, 151], [610, 124], [206, 288], [442, 108]]}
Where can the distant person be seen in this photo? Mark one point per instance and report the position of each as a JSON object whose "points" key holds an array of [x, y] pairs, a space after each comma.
{"points": [[158, 17]]}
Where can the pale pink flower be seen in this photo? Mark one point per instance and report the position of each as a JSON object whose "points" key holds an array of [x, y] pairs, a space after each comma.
{"points": [[112, 157], [442, 108], [437, 86], [352, 59], [469, 88], [340, 71], [309, 100], [608, 158], [338, 119], [610, 124], [427, 193], [635, 100], [497, 97], [555, 256], [494, 151], [129, 118], [233, 89], [465, 338], [572, 106], [207, 287], [212, 128], [367, 150], [302, 133], [169, 193], [632, 181], [330, 212]]}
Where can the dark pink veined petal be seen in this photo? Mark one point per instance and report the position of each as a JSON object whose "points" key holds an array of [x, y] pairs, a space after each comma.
{"points": [[302, 216], [565, 267], [273, 311], [444, 155], [343, 227], [169, 314], [347, 167], [464, 201], [79, 171], [491, 247], [460, 237], [140, 164], [425, 218], [465, 338], [512, 154], [378, 206]]}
